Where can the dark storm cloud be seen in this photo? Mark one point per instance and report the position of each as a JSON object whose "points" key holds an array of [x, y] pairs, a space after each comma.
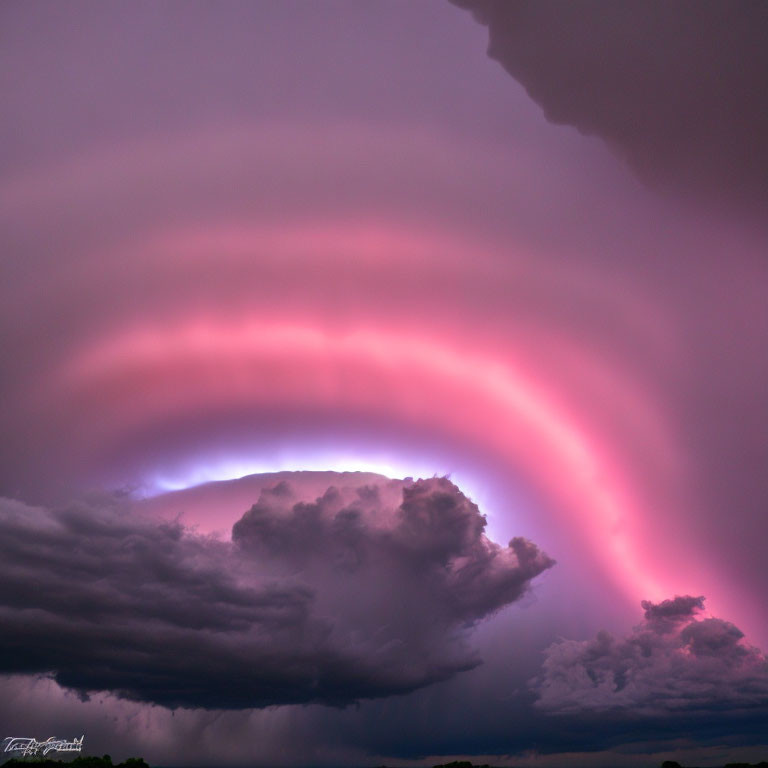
{"points": [[664, 616], [345, 598], [679, 88], [671, 663]]}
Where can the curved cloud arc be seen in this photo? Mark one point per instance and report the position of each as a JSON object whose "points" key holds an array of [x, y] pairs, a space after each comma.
{"points": [[145, 374], [478, 328]]}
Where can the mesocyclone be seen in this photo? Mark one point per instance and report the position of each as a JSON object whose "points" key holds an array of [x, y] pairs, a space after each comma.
{"points": [[467, 331]]}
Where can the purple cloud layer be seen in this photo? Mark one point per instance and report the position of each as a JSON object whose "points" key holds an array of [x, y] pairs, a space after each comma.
{"points": [[345, 598]]}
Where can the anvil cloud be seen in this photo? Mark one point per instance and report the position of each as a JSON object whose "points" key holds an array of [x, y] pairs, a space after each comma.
{"points": [[679, 89]]}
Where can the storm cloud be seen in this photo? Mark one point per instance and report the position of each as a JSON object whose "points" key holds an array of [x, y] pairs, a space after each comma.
{"points": [[679, 89], [362, 593], [673, 662]]}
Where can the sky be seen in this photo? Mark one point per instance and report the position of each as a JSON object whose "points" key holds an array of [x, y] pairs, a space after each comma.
{"points": [[384, 382]]}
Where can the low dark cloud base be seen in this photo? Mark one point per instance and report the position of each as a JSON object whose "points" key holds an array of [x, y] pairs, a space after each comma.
{"points": [[344, 598], [672, 663], [680, 88]]}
